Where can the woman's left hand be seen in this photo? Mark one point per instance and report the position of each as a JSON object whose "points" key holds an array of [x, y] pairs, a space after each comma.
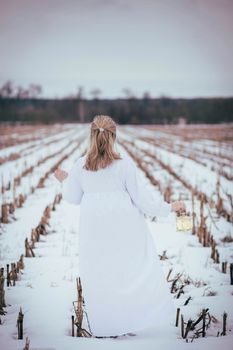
{"points": [[60, 174], [178, 206]]}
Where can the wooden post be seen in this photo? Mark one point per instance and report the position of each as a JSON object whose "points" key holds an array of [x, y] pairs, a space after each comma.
{"points": [[200, 230], [13, 273], [231, 273], [3, 187], [203, 323], [8, 275], [223, 266], [224, 323], [208, 238], [182, 326], [213, 250], [5, 213], [80, 304], [20, 324], [177, 316], [72, 319], [2, 292], [193, 215], [204, 243], [187, 301], [217, 257]]}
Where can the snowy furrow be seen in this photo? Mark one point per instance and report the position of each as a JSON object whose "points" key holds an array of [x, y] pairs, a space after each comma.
{"points": [[12, 169], [218, 226], [203, 178], [187, 149], [22, 147], [32, 179], [12, 236]]}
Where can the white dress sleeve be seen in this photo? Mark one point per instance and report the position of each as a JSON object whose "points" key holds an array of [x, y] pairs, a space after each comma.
{"points": [[147, 203], [72, 191]]}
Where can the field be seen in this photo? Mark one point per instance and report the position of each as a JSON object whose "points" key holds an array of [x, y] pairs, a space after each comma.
{"points": [[39, 234]]}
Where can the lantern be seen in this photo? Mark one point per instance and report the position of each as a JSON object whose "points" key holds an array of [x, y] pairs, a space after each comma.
{"points": [[184, 221]]}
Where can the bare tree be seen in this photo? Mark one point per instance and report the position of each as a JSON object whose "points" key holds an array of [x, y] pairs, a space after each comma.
{"points": [[34, 90], [21, 92], [146, 95], [128, 93], [7, 89], [96, 93]]}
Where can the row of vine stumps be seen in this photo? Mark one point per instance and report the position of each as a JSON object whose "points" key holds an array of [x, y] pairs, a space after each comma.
{"points": [[13, 270], [190, 329], [199, 228], [13, 274], [8, 208]]}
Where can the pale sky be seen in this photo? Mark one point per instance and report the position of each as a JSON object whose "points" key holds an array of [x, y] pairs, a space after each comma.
{"points": [[180, 48]]}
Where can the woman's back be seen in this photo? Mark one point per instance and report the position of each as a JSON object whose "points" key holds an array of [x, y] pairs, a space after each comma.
{"points": [[119, 183], [107, 179]]}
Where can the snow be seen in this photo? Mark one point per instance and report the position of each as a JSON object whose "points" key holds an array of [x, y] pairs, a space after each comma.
{"points": [[47, 285]]}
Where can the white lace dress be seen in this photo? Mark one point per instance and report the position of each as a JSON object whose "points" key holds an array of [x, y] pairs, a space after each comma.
{"points": [[124, 286]]}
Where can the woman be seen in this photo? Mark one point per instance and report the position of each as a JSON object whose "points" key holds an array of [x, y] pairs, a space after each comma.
{"points": [[124, 287]]}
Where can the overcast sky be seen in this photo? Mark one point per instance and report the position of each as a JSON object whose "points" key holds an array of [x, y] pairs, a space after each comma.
{"points": [[181, 48]]}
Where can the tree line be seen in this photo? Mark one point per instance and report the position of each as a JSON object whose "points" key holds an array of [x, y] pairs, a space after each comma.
{"points": [[26, 105], [124, 111]]}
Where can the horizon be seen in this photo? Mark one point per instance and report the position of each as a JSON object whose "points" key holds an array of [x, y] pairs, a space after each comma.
{"points": [[84, 98]]}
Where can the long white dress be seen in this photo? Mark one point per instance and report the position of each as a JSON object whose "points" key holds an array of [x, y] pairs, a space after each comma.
{"points": [[123, 283]]}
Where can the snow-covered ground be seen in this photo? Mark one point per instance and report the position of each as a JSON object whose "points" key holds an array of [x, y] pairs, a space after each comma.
{"points": [[47, 285]]}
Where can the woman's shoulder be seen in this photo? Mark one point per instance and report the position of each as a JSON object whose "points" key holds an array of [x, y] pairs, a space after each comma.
{"points": [[80, 160], [127, 161], [127, 158], [124, 160]]}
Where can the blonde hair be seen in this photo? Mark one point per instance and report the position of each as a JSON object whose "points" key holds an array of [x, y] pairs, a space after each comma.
{"points": [[101, 151]]}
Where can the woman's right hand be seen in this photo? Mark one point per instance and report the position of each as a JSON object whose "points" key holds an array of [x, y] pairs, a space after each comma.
{"points": [[178, 206], [60, 174]]}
